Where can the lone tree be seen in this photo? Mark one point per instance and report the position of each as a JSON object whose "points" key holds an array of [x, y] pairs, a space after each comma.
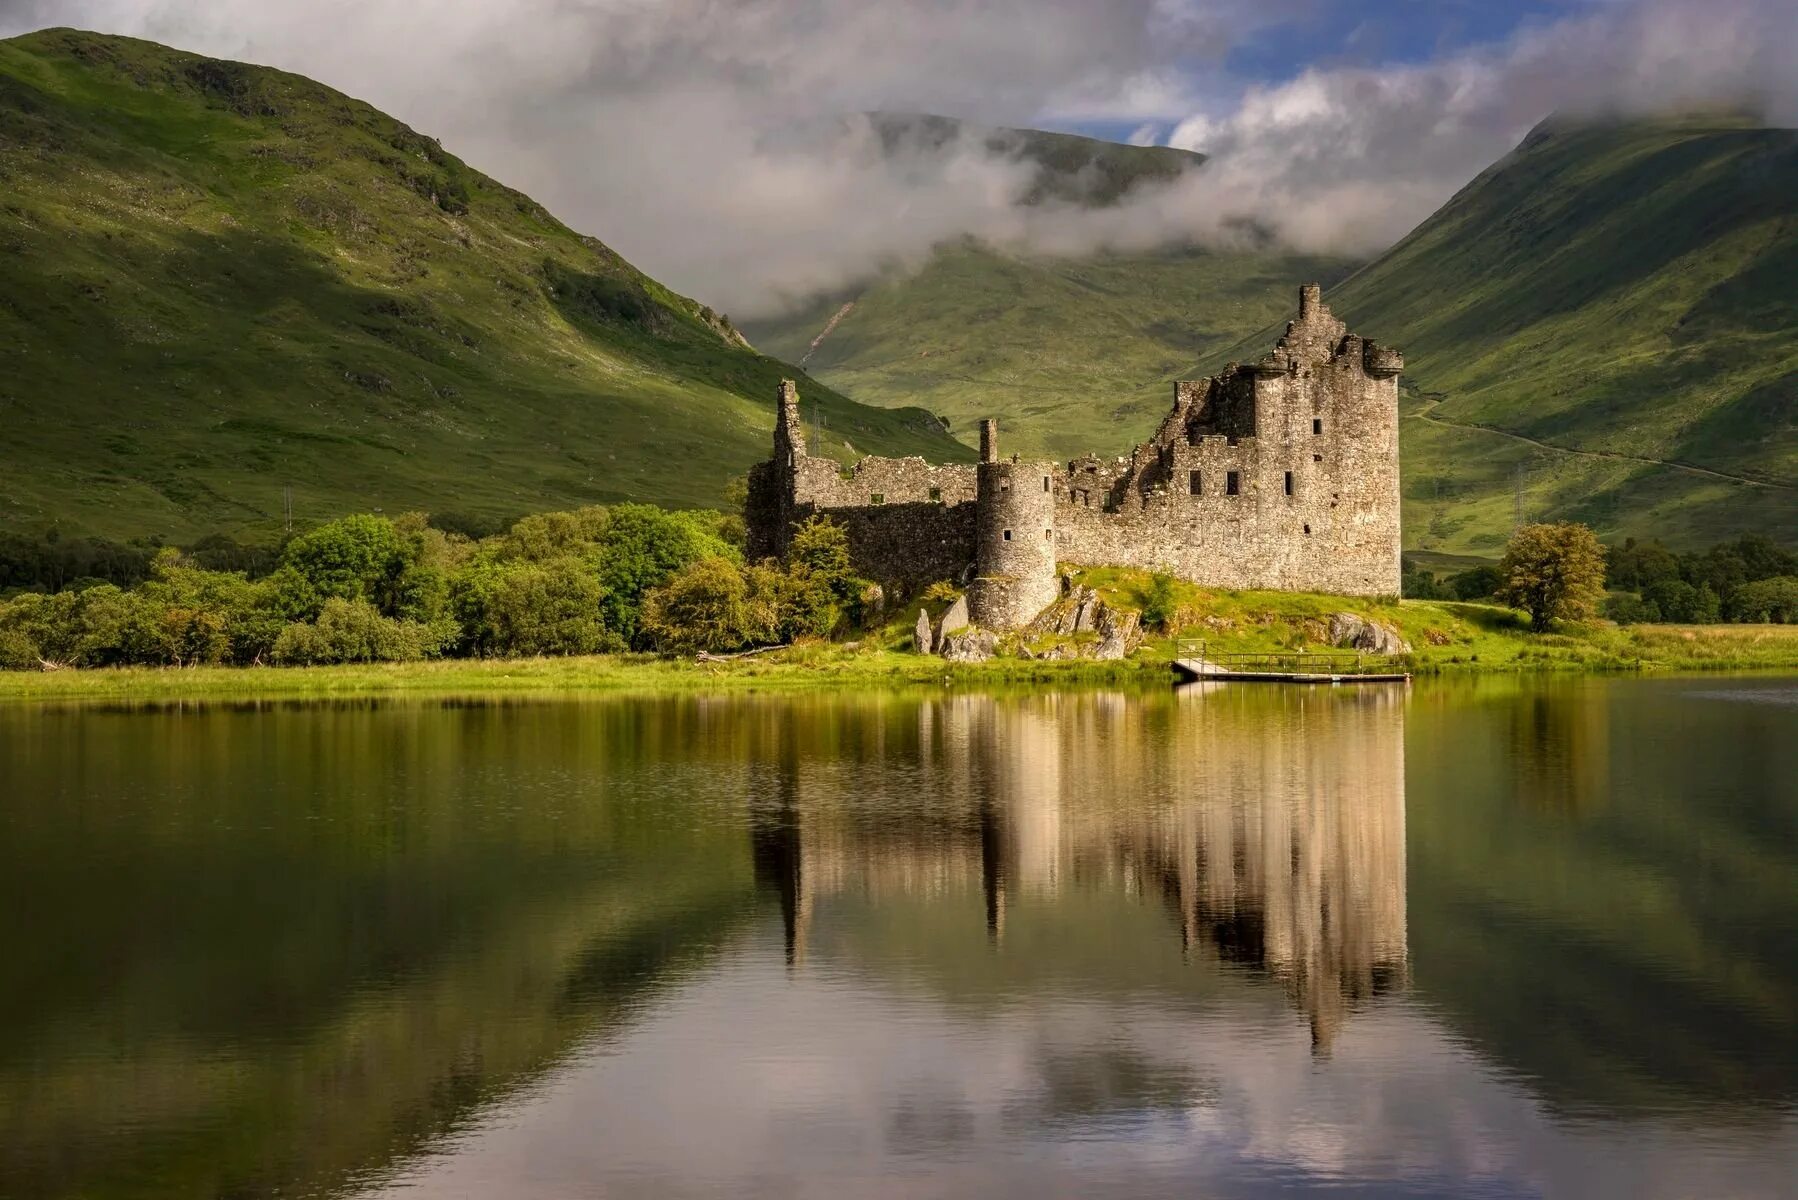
{"points": [[1553, 572]]}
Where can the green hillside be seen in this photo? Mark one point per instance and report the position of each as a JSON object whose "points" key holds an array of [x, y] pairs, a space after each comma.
{"points": [[1607, 318], [220, 281], [1074, 354]]}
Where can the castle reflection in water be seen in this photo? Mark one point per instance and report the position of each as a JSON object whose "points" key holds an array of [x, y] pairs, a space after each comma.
{"points": [[1269, 823]]}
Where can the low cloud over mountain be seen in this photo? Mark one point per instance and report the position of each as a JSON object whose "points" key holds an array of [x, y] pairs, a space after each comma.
{"points": [[668, 126]]}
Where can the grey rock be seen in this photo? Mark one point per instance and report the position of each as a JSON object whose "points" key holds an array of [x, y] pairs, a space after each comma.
{"points": [[970, 646], [1352, 632], [926, 640], [954, 621], [1119, 634]]}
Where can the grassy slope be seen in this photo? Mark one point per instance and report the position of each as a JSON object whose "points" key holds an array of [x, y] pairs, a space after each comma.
{"points": [[218, 281], [1616, 293], [1073, 354]]}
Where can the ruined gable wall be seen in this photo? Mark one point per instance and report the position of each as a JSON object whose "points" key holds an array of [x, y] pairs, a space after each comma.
{"points": [[909, 523], [1338, 530]]}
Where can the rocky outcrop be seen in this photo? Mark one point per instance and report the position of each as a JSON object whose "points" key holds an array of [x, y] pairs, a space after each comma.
{"points": [[926, 639], [1082, 610], [954, 621], [970, 646], [1120, 632], [1352, 632]]}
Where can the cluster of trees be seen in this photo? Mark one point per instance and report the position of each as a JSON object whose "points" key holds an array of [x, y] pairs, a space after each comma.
{"points": [[1749, 580], [366, 588]]}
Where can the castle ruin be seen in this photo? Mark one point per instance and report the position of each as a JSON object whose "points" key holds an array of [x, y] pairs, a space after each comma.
{"points": [[1278, 474]]}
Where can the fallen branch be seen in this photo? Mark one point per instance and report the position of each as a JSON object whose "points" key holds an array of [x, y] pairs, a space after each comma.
{"points": [[706, 656], [46, 666]]}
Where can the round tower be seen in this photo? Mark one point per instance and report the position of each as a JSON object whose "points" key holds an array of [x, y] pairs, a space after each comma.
{"points": [[1014, 539]]}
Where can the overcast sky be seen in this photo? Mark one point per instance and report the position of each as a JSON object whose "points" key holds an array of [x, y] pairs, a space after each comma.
{"points": [[659, 125]]}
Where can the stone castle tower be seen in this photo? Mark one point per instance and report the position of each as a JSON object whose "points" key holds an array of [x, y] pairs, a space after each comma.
{"points": [[1279, 474], [1014, 538]]}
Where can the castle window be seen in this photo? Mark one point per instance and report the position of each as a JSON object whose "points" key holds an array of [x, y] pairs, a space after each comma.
{"points": [[877, 498], [1232, 483], [1008, 535], [1317, 425], [1045, 483], [1193, 483], [1307, 531], [936, 493], [1086, 499], [1048, 535], [1289, 483], [1005, 485], [1317, 458]]}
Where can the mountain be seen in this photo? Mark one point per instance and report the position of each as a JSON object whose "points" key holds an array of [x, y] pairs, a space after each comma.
{"points": [[1065, 167], [1606, 320], [1073, 353], [219, 281]]}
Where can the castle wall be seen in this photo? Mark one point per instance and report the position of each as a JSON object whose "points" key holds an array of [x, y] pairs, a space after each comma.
{"points": [[1336, 530], [1280, 474]]}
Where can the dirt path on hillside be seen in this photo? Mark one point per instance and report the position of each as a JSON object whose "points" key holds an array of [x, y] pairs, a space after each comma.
{"points": [[1429, 408]]}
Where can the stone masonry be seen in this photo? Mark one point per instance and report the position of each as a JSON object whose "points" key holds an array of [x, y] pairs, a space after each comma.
{"points": [[1280, 474]]}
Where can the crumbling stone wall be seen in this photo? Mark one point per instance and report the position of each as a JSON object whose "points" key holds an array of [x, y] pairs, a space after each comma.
{"points": [[1282, 474]]}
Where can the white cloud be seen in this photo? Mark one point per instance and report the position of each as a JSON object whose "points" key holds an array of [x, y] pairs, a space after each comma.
{"points": [[663, 126]]}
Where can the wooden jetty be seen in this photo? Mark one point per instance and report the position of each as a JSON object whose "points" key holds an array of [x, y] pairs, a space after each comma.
{"points": [[1195, 664]]}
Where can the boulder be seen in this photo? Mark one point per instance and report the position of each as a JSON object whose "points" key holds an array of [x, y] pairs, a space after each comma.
{"points": [[926, 640], [1119, 634], [874, 601], [970, 645], [1351, 632], [954, 621]]}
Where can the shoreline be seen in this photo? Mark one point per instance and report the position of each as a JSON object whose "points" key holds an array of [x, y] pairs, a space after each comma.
{"points": [[1637, 650]]}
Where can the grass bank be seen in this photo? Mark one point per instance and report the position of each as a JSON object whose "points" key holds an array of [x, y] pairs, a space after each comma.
{"points": [[1447, 638]]}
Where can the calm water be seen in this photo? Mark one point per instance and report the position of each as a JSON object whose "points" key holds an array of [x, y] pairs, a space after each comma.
{"points": [[1505, 940]]}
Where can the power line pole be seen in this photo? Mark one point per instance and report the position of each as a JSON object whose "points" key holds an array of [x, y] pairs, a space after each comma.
{"points": [[1517, 499], [287, 510]]}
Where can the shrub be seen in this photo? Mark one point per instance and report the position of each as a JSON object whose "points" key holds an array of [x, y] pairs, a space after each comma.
{"points": [[1627, 608], [1159, 602], [17, 651], [549, 607], [708, 605], [353, 631], [1476, 583], [1774, 599], [643, 548]]}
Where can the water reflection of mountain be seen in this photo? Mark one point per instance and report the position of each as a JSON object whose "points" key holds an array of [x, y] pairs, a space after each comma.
{"points": [[1269, 826], [264, 953], [1602, 889]]}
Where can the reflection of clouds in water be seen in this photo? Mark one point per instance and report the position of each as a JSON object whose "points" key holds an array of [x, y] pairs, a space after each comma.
{"points": [[757, 1082], [1787, 696]]}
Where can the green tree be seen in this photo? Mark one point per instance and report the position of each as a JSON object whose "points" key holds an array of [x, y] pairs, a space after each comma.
{"points": [[708, 605], [551, 607], [1763, 600], [642, 550], [1475, 583], [361, 557], [1554, 573]]}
